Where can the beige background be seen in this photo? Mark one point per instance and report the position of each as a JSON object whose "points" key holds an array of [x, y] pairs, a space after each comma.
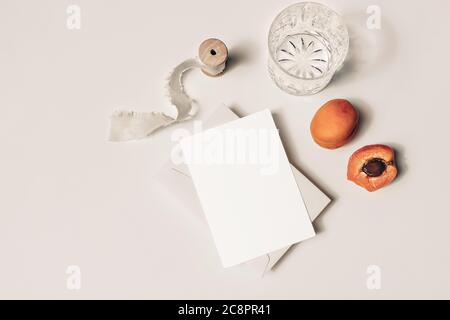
{"points": [[69, 197]]}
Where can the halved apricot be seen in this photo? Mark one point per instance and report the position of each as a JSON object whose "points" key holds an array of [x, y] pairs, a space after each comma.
{"points": [[372, 167]]}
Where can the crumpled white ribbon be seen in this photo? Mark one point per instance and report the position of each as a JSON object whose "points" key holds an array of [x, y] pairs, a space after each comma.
{"points": [[131, 125]]}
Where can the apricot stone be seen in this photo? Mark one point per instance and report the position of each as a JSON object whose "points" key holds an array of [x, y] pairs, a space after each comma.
{"points": [[372, 167], [334, 124]]}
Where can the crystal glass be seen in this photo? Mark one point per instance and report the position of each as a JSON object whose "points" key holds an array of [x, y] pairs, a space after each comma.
{"points": [[308, 43]]}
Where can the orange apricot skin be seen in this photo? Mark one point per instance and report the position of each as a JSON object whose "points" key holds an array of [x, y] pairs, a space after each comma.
{"points": [[334, 124]]}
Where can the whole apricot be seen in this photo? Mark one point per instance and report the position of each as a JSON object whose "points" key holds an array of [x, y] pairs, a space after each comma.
{"points": [[372, 167], [334, 124]]}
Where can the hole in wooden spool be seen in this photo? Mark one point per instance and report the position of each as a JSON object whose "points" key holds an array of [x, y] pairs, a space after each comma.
{"points": [[213, 52]]}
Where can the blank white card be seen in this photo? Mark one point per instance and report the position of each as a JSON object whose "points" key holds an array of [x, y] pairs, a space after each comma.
{"points": [[247, 189]]}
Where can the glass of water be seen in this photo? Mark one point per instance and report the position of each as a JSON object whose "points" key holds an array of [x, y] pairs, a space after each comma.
{"points": [[308, 43]]}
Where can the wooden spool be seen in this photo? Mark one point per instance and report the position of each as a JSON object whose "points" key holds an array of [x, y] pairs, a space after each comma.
{"points": [[213, 53]]}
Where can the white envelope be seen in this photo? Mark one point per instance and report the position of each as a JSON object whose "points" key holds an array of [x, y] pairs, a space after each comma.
{"points": [[246, 188], [176, 178]]}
